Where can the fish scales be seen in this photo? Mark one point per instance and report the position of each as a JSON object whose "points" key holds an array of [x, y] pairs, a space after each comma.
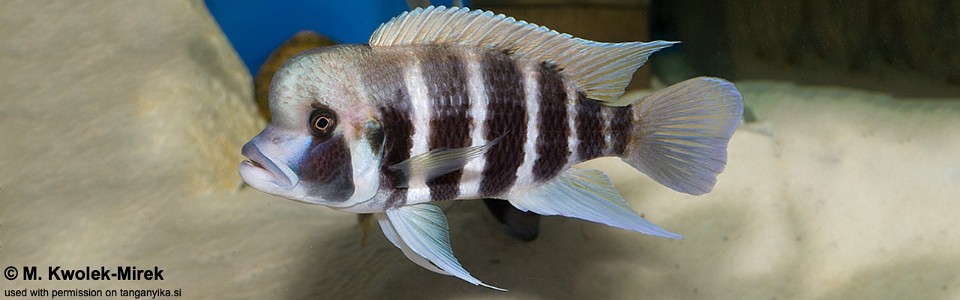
{"points": [[452, 104], [552, 151], [419, 114], [573, 142], [450, 121], [621, 128], [590, 126], [506, 120], [476, 89], [398, 139], [394, 105], [531, 89]]}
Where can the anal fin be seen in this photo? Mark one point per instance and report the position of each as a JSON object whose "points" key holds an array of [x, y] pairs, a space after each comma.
{"points": [[589, 195]]}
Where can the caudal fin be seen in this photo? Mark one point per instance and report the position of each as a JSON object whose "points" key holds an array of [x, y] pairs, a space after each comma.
{"points": [[681, 140]]}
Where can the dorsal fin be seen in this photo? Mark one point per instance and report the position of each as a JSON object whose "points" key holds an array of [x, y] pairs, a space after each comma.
{"points": [[600, 70]]}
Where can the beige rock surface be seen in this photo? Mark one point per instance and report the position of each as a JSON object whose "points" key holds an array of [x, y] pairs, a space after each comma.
{"points": [[121, 124]]}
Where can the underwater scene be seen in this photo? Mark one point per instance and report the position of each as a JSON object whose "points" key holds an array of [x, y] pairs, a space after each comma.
{"points": [[484, 149]]}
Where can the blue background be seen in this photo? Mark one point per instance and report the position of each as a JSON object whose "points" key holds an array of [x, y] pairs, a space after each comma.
{"points": [[256, 27]]}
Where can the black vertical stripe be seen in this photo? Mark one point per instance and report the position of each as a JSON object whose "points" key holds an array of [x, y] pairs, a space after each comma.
{"points": [[506, 119], [398, 139], [552, 149], [621, 128], [327, 170], [446, 80], [589, 128], [383, 81]]}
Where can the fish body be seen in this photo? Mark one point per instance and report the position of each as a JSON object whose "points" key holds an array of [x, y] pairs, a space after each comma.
{"points": [[451, 104]]}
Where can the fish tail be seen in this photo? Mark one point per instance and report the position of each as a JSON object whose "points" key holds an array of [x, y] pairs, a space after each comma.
{"points": [[681, 133]]}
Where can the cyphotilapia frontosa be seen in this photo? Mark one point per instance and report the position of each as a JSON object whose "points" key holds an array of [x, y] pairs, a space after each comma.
{"points": [[449, 103]]}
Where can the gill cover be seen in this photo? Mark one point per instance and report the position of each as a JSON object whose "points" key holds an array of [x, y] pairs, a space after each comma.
{"points": [[366, 151], [344, 171]]}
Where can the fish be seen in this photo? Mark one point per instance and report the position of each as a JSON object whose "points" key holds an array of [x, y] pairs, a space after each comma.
{"points": [[457, 104]]}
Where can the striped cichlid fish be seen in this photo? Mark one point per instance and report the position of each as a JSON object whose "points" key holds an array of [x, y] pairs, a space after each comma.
{"points": [[449, 103]]}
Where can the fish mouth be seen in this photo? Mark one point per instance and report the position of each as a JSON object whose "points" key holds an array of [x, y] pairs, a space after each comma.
{"points": [[259, 169]]}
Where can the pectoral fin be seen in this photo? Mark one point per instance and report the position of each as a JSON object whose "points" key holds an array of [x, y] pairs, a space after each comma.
{"points": [[420, 231], [588, 195], [441, 161]]}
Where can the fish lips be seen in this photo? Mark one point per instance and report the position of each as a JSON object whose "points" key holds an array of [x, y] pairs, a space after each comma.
{"points": [[260, 169]]}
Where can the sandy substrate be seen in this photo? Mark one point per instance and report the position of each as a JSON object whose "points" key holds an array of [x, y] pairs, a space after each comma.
{"points": [[119, 155]]}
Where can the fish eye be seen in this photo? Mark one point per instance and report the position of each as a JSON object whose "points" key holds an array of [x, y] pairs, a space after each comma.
{"points": [[322, 122]]}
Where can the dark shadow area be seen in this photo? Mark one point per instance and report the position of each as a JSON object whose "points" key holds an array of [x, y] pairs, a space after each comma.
{"points": [[906, 48]]}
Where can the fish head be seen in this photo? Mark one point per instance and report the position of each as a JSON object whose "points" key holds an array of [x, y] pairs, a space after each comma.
{"points": [[323, 144]]}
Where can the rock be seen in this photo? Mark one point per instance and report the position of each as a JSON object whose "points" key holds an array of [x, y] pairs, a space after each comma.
{"points": [[121, 94]]}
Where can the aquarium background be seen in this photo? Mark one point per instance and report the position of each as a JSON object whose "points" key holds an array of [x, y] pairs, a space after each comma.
{"points": [[905, 48], [257, 27], [121, 124]]}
